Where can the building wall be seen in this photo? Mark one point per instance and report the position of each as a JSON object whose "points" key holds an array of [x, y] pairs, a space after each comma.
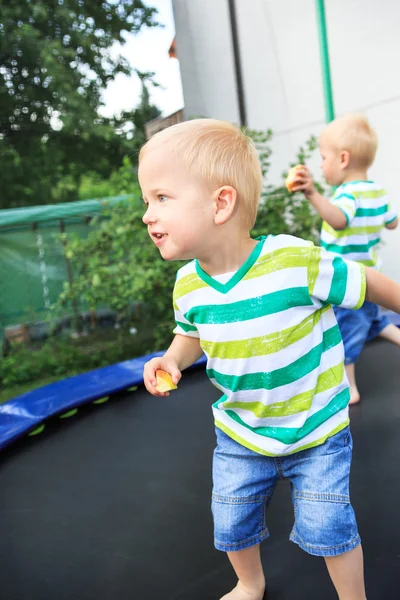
{"points": [[282, 75], [160, 123], [205, 54], [364, 63]]}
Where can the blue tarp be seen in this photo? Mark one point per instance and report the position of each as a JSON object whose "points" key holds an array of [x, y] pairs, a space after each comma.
{"points": [[26, 412]]}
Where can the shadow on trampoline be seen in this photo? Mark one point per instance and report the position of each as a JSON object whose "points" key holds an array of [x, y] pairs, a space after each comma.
{"points": [[115, 503]]}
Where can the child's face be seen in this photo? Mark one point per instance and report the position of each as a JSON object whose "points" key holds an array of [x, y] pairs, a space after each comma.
{"points": [[179, 213], [332, 164]]}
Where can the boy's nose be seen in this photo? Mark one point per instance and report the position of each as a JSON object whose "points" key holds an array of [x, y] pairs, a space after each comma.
{"points": [[148, 217]]}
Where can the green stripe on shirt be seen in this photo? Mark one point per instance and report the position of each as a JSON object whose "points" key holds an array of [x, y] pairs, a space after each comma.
{"points": [[291, 435], [363, 230], [185, 326], [264, 344], [241, 440], [283, 376], [352, 248], [187, 284], [363, 288], [244, 310], [299, 403], [339, 282], [369, 194], [343, 196], [284, 258], [372, 212]]}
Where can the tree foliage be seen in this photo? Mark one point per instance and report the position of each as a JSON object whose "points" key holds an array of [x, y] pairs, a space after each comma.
{"points": [[281, 211], [133, 122], [54, 61], [117, 266]]}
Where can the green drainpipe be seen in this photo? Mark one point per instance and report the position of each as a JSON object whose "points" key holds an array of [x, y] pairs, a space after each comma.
{"points": [[326, 71]]}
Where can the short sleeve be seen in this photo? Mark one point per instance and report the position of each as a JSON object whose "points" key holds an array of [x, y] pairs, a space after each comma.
{"points": [[390, 215], [347, 204], [333, 280], [182, 325]]}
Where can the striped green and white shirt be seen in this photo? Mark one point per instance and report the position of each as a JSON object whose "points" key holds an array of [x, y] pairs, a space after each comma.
{"points": [[367, 210], [272, 342]]}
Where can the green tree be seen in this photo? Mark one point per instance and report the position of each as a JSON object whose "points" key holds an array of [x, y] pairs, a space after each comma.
{"points": [[117, 265], [121, 183], [133, 122], [54, 61], [123, 180]]}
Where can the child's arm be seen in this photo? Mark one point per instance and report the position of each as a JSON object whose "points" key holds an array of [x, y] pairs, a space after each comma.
{"points": [[382, 290], [330, 213], [183, 352], [390, 218]]}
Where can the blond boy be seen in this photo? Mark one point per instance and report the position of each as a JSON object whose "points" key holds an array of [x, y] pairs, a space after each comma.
{"points": [[260, 309], [353, 223]]}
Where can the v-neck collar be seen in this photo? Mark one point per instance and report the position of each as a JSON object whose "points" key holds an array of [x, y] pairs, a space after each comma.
{"points": [[224, 288], [356, 181]]}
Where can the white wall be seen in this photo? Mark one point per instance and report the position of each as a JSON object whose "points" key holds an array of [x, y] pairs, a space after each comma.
{"points": [[365, 50], [282, 75], [204, 50]]}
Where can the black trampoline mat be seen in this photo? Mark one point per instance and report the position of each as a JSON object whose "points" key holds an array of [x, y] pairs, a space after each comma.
{"points": [[114, 504]]}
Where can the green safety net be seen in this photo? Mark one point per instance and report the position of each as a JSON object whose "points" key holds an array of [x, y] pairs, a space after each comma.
{"points": [[33, 268], [67, 211]]}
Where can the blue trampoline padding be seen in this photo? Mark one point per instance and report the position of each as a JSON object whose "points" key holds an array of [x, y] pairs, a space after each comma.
{"points": [[24, 413]]}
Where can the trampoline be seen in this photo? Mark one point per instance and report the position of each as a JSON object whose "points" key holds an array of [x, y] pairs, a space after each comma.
{"points": [[114, 503]]}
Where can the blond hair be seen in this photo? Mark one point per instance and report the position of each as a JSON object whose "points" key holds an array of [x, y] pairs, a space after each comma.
{"points": [[352, 132], [220, 154]]}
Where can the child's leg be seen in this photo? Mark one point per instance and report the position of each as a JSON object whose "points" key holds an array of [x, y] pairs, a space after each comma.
{"points": [[347, 574], [391, 333], [351, 376], [325, 523], [243, 483], [355, 326], [249, 571]]}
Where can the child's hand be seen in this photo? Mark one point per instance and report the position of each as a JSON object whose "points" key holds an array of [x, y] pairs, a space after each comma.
{"points": [[303, 182], [149, 373]]}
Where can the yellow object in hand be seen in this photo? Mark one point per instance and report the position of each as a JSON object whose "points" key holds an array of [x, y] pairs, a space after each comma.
{"points": [[164, 381], [290, 179]]}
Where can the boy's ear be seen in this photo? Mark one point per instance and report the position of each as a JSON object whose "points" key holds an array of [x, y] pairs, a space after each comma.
{"points": [[224, 203], [344, 159]]}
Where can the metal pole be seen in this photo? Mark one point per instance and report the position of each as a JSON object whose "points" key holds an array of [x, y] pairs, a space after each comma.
{"points": [[324, 52], [238, 66], [71, 283]]}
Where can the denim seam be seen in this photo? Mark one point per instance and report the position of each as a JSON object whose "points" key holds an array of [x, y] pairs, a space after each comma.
{"points": [[262, 535], [263, 524], [279, 467], [295, 506], [318, 497], [294, 536], [238, 499]]}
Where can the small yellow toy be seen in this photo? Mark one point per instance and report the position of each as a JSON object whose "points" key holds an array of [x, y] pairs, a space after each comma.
{"points": [[164, 381], [290, 179]]}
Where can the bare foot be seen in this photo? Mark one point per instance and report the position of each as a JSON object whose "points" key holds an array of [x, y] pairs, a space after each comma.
{"points": [[241, 593]]}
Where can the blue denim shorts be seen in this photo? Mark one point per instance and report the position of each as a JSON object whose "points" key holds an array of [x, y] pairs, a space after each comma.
{"points": [[243, 483], [359, 327]]}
